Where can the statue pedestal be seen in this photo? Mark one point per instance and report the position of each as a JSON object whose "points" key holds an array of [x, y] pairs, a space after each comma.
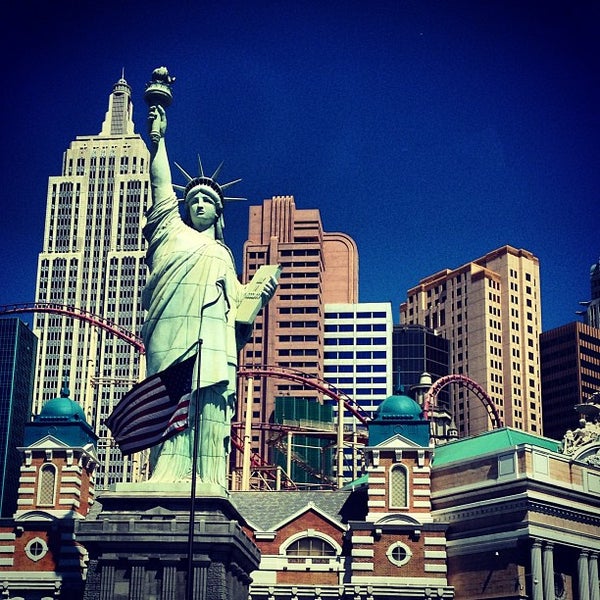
{"points": [[138, 545]]}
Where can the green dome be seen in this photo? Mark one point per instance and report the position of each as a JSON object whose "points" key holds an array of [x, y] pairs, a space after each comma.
{"points": [[399, 407], [62, 408]]}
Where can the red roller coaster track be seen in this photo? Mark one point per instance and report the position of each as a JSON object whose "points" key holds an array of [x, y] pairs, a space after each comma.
{"points": [[257, 370], [309, 380], [77, 313], [432, 393]]}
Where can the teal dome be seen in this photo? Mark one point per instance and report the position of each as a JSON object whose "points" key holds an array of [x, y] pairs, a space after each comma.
{"points": [[399, 407], [62, 409]]}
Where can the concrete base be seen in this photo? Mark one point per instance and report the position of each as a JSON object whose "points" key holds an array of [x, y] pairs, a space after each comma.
{"points": [[138, 545]]}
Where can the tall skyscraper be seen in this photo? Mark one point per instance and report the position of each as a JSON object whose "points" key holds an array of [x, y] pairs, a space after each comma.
{"points": [[489, 310], [570, 367], [17, 361], [93, 261], [317, 268]]}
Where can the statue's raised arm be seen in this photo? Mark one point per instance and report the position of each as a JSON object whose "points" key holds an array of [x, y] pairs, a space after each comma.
{"points": [[158, 96]]}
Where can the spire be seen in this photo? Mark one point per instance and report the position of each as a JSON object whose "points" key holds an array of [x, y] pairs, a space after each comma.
{"points": [[118, 119]]}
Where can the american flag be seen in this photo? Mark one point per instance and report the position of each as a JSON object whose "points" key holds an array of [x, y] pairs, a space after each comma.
{"points": [[154, 409]]}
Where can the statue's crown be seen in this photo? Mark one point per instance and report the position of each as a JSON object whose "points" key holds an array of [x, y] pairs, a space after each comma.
{"points": [[204, 181]]}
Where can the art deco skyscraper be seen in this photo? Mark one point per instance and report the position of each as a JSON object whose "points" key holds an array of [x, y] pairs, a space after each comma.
{"points": [[92, 264], [489, 310], [317, 268]]}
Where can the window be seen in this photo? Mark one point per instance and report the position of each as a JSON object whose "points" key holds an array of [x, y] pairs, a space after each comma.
{"points": [[398, 487], [36, 549], [310, 546], [47, 485], [399, 554]]}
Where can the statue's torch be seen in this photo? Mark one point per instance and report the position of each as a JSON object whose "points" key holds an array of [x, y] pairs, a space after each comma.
{"points": [[158, 92]]}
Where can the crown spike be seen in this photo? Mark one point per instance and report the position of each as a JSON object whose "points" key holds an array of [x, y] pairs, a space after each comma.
{"points": [[217, 171], [224, 186], [179, 188], [232, 199], [184, 172], [200, 169]]}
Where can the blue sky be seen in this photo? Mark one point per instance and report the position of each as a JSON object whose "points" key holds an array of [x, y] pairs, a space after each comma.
{"points": [[432, 132]]}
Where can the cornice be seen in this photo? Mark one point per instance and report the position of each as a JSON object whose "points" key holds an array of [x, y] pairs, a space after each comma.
{"points": [[518, 504]]}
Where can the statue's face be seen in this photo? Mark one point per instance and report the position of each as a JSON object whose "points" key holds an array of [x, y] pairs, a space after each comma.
{"points": [[202, 205]]}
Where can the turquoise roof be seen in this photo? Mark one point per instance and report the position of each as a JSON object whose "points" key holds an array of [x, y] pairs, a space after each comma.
{"points": [[62, 408], [491, 441], [362, 480], [398, 407]]}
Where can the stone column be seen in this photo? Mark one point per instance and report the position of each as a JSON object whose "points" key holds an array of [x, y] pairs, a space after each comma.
{"points": [[169, 580], [137, 583], [583, 575], [594, 583], [537, 590], [107, 581], [548, 554], [200, 575]]}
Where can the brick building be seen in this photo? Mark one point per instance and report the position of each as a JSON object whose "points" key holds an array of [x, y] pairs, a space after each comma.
{"points": [[39, 557], [503, 515]]}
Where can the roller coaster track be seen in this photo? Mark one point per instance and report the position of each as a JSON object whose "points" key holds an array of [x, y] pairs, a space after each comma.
{"points": [[434, 390], [76, 313], [309, 380]]}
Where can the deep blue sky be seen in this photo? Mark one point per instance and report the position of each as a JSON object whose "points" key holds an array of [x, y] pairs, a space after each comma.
{"points": [[431, 132]]}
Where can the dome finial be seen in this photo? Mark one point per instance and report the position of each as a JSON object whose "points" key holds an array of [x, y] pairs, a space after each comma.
{"points": [[65, 392]]}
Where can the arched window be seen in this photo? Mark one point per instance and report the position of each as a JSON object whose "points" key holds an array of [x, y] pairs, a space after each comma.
{"points": [[47, 485], [399, 487], [310, 546]]}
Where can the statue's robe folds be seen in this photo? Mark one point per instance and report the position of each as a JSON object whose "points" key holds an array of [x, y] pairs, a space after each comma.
{"points": [[192, 294]]}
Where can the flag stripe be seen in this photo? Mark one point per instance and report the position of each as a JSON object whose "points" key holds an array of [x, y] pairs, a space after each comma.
{"points": [[154, 409], [164, 418], [149, 389], [148, 410]]}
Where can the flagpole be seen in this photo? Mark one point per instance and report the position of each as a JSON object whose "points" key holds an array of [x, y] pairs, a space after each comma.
{"points": [[196, 432]]}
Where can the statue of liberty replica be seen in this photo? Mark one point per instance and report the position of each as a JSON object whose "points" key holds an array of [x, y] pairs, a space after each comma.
{"points": [[192, 295]]}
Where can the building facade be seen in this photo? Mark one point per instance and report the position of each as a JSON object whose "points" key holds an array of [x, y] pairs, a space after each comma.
{"points": [[570, 360], [317, 268], [357, 361], [489, 310], [375, 539], [522, 514], [39, 556], [505, 515], [18, 346], [91, 271]]}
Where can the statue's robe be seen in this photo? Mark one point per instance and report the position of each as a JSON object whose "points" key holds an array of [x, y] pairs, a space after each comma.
{"points": [[192, 294]]}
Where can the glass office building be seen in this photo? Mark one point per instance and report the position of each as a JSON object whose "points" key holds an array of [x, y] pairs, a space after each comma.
{"points": [[416, 350], [18, 346]]}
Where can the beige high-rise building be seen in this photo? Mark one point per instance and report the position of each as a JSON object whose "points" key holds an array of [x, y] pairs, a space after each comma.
{"points": [[489, 310], [318, 268], [92, 264]]}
